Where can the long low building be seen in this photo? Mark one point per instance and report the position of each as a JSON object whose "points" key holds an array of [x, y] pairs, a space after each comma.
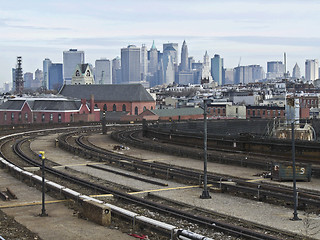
{"points": [[47, 110]]}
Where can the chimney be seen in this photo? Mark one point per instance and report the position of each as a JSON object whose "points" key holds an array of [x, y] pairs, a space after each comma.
{"points": [[91, 104]]}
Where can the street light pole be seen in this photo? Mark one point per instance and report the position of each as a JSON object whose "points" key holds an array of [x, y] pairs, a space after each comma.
{"points": [[295, 213], [205, 193], [43, 210]]}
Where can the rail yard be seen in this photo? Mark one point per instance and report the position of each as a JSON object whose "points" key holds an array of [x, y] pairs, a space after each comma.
{"points": [[152, 187]]}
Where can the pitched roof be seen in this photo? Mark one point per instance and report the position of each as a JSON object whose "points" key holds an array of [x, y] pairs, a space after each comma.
{"points": [[83, 67], [12, 105], [41, 105], [108, 92], [177, 112]]}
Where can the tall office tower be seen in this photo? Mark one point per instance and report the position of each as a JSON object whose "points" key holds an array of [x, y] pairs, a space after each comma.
{"points": [[71, 59], [217, 69], [103, 71], [275, 69], [174, 51], [38, 79], [153, 59], [184, 66], [312, 69], [205, 71], [257, 73], [19, 82], [143, 62], [168, 69], [46, 65], [6, 87], [190, 62], [296, 72], [130, 64], [229, 76], [28, 78], [116, 71], [55, 76]]}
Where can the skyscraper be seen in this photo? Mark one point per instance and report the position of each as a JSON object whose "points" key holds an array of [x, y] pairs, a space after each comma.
{"points": [[229, 76], [173, 48], [184, 66], [130, 64], [217, 69], [46, 65], [205, 71], [38, 79], [296, 72], [71, 59], [116, 70], [28, 78], [143, 62], [168, 65], [55, 76], [275, 69], [312, 69], [103, 71]]}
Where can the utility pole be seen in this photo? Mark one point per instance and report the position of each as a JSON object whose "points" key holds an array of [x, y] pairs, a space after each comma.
{"points": [[205, 193]]}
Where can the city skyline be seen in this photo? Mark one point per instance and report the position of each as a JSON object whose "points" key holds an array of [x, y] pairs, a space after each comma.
{"points": [[255, 31]]}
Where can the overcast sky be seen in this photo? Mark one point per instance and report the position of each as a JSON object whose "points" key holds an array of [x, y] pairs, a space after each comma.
{"points": [[257, 31]]}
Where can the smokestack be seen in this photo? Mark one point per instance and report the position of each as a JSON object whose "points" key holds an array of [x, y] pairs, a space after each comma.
{"points": [[91, 104]]}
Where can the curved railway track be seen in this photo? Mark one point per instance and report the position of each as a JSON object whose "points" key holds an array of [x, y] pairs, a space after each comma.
{"points": [[260, 191], [204, 221]]}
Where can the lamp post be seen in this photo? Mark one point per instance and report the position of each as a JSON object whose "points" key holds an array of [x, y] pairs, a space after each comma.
{"points": [[205, 193], [43, 210], [295, 202]]}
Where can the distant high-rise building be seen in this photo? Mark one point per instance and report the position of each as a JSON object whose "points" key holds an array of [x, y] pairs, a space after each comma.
{"points": [[116, 70], [217, 69], [6, 87], [130, 64], [143, 62], [71, 59], [28, 78], [153, 60], [296, 72], [184, 66], [103, 71], [312, 69], [229, 76], [38, 79], [205, 72], [168, 68], [190, 62], [174, 51], [275, 69], [46, 65], [55, 76], [248, 74], [13, 71]]}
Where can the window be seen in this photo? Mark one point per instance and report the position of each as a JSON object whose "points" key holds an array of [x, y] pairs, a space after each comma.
{"points": [[105, 107], [59, 118], [151, 108], [248, 112], [43, 117], [51, 117], [124, 108], [144, 108], [254, 113], [26, 117], [77, 73], [35, 118], [20, 116], [258, 112], [136, 110], [71, 117], [274, 112], [114, 108], [264, 112], [236, 110], [5, 116], [268, 112], [88, 73], [219, 111], [12, 116], [224, 110], [279, 112]]}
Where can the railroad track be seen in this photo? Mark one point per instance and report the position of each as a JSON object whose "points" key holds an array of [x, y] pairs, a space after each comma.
{"points": [[259, 191], [204, 221]]}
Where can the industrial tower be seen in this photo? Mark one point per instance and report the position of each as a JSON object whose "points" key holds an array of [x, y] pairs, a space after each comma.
{"points": [[19, 78]]}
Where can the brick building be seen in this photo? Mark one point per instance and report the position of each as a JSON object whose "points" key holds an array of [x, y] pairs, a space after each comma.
{"points": [[265, 112], [47, 110], [116, 99]]}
